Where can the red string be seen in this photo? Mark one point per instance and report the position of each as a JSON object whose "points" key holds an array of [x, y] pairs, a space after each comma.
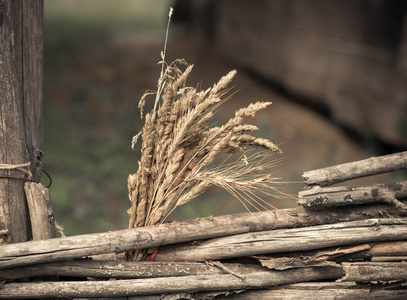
{"points": [[152, 257]]}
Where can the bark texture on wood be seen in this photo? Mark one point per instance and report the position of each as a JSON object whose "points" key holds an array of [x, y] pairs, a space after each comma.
{"points": [[389, 258], [40, 209], [154, 286], [320, 197], [288, 240], [398, 248], [375, 271], [347, 213], [176, 232], [146, 237], [21, 127], [124, 269], [283, 261], [320, 290], [357, 169]]}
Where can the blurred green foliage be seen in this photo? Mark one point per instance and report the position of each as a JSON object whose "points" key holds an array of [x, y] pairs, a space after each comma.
{"points": [[71, 24], [89, 124]]}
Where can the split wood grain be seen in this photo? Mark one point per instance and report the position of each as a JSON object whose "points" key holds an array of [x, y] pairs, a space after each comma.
{"points": [[283, 261], [41, 212]]}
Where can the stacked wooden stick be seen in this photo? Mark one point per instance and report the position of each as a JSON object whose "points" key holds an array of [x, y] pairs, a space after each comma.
{"points": [[340, 243]]}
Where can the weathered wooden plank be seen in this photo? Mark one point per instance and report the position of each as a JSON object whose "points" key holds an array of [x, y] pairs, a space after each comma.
{"points": [[288, 240], [357, 169], [154, 286], [320, 197], [41, 212]]}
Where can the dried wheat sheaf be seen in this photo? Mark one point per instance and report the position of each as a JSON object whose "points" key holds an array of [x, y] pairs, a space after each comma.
{"points": [[179, 147]]}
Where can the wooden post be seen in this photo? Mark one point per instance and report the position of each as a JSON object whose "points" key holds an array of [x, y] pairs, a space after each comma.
{"points": [[21, 124]]}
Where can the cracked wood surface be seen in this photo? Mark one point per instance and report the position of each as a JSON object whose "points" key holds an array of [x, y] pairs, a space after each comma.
{"points": [[124, 269], [320, 197], [59, 249], [154, 286], [288, 240], [34, 252], [374, 271]]}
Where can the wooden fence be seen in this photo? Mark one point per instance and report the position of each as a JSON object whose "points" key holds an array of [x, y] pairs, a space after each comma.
{"points": [[345, 242]]}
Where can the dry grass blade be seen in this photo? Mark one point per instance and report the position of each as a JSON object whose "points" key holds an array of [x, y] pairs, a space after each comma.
{"points": [[179, 149]]}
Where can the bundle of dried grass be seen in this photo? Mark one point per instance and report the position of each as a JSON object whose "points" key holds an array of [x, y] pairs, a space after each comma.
{"points": [[179, 145]]}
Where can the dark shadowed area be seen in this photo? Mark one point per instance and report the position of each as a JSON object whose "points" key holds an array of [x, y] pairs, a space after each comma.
{"points": [[337, 85]]}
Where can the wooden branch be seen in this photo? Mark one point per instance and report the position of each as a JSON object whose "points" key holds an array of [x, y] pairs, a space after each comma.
{"points": [[123, 269], [374, 271], [288, 240], [321, 290], [123, 240], [357, 169], [319, 197], [398, 248], [157, 286], [389, 251], [176, 232], [347, 213], [40, 209], [389, 258]]}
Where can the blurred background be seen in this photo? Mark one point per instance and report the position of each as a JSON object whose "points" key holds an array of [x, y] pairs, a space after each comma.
{"points": [[336, 72]]}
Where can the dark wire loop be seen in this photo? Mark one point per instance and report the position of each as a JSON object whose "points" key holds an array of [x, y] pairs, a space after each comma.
{"points": [[28, 179], [50, 179]]}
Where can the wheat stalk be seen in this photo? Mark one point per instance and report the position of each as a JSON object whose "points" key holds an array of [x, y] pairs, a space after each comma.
{"points": [[179, 147]]}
